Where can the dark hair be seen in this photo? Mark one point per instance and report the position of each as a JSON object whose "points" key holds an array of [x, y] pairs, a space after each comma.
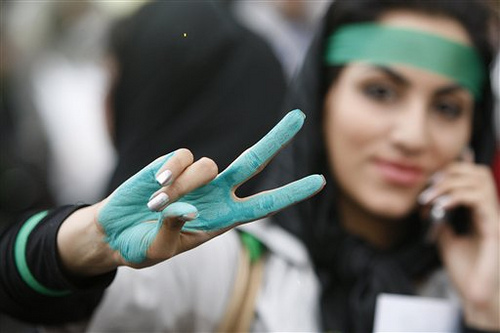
{"points": [[351, 272]]}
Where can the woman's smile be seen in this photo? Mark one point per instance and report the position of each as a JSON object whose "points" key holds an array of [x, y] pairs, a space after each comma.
{"points": [[399, 173]]}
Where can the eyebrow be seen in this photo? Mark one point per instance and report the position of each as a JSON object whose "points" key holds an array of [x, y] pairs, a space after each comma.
{"points": [[392, 74], [449, 89], [400, 79]]}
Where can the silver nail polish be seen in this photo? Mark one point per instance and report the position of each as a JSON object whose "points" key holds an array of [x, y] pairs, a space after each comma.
{"points": [[424, 197], [158, 201], [164, 178], [437, 213]]}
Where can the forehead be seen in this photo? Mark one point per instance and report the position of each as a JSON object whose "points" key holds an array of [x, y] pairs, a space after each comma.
{"points": [[435, 43], [435, 24]]}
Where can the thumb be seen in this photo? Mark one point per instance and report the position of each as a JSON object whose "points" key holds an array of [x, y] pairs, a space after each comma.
{"points": [[170, 223], [175, 215]]}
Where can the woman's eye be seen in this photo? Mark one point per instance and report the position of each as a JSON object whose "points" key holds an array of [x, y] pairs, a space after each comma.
{"points": [[448, 110], [379, 92]]}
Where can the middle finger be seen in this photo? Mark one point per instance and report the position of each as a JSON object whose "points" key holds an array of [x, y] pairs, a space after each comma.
{"points": [[195, 175]]}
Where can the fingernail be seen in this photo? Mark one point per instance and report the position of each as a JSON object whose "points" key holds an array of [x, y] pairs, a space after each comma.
{"points": [[189, 216], [425, 197], [437, 213], [181, 210], [438, 210], [443, 201], [158, 201], [164, 178]]}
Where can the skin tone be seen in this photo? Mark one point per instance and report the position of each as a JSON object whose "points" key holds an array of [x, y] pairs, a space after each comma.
{"points": [[388, 130]]}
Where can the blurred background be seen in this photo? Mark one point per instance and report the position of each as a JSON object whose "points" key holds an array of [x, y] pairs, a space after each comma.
{"points": [[54, 76], [55, 147]]}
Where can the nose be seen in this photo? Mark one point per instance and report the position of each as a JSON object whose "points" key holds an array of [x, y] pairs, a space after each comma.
{"points": [[410, 131]]}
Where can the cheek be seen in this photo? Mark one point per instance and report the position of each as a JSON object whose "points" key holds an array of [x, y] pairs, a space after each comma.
{"points": [[355, 133], [350, 131], [449, 143]]}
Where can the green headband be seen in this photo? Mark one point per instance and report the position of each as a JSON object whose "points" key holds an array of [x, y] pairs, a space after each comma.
{"points": [[384, 45]]}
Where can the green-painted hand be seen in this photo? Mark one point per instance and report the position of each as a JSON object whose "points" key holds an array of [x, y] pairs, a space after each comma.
{"points": [[137, 233]]}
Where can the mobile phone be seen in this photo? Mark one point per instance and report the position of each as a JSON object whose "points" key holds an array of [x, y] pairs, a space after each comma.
{"points": [[460, 219]]}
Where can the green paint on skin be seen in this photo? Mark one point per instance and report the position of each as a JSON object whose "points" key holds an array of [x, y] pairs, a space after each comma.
{"points": [[226, 210], [125, 215], [217, 206]]}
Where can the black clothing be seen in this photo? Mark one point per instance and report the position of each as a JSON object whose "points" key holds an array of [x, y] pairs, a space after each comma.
{"points": [[205, 83], [23, 164], [19, 300]]}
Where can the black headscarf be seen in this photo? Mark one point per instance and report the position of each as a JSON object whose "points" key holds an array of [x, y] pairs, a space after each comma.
{"points": [[190, 76], [351, 271]]}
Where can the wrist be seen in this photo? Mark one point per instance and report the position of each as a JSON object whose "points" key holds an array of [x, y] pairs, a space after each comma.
{"points": [[82, 247]]}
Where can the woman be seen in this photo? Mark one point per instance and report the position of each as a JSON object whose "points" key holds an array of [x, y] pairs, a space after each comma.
{"points": [[382, 124], [385, 124]]}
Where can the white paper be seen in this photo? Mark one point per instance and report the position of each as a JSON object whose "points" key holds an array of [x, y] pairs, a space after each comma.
{"points": [[401, 313]]}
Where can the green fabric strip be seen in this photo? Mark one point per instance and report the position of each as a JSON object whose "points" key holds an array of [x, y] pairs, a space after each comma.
{"points": [[20, 257], [384, 45], [255, 248]]}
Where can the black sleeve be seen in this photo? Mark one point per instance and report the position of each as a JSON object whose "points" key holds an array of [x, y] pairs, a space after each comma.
{"points": [[466, 329], [42, 292]]}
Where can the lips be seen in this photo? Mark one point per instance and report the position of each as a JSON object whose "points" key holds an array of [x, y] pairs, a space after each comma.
{"points": [[402, 174]]}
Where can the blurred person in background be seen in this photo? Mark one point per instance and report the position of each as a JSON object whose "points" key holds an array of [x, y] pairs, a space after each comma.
{"points": [[23, 147], [60, 83], [391, 130], [174, 85], [288, 26], [23, 177]]}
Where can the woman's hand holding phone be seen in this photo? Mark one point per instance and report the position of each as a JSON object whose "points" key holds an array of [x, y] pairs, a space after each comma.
{"points": [[472, 259]]}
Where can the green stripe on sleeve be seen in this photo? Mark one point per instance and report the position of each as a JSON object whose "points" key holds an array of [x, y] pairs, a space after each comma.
{"points": [[20, 257]]}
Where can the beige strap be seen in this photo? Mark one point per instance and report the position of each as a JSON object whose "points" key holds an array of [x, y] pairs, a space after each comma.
{"points": [[241, 306]]}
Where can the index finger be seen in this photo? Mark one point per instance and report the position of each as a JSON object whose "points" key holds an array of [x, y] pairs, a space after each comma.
{"points": [[269, 202], [254, 159]]}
